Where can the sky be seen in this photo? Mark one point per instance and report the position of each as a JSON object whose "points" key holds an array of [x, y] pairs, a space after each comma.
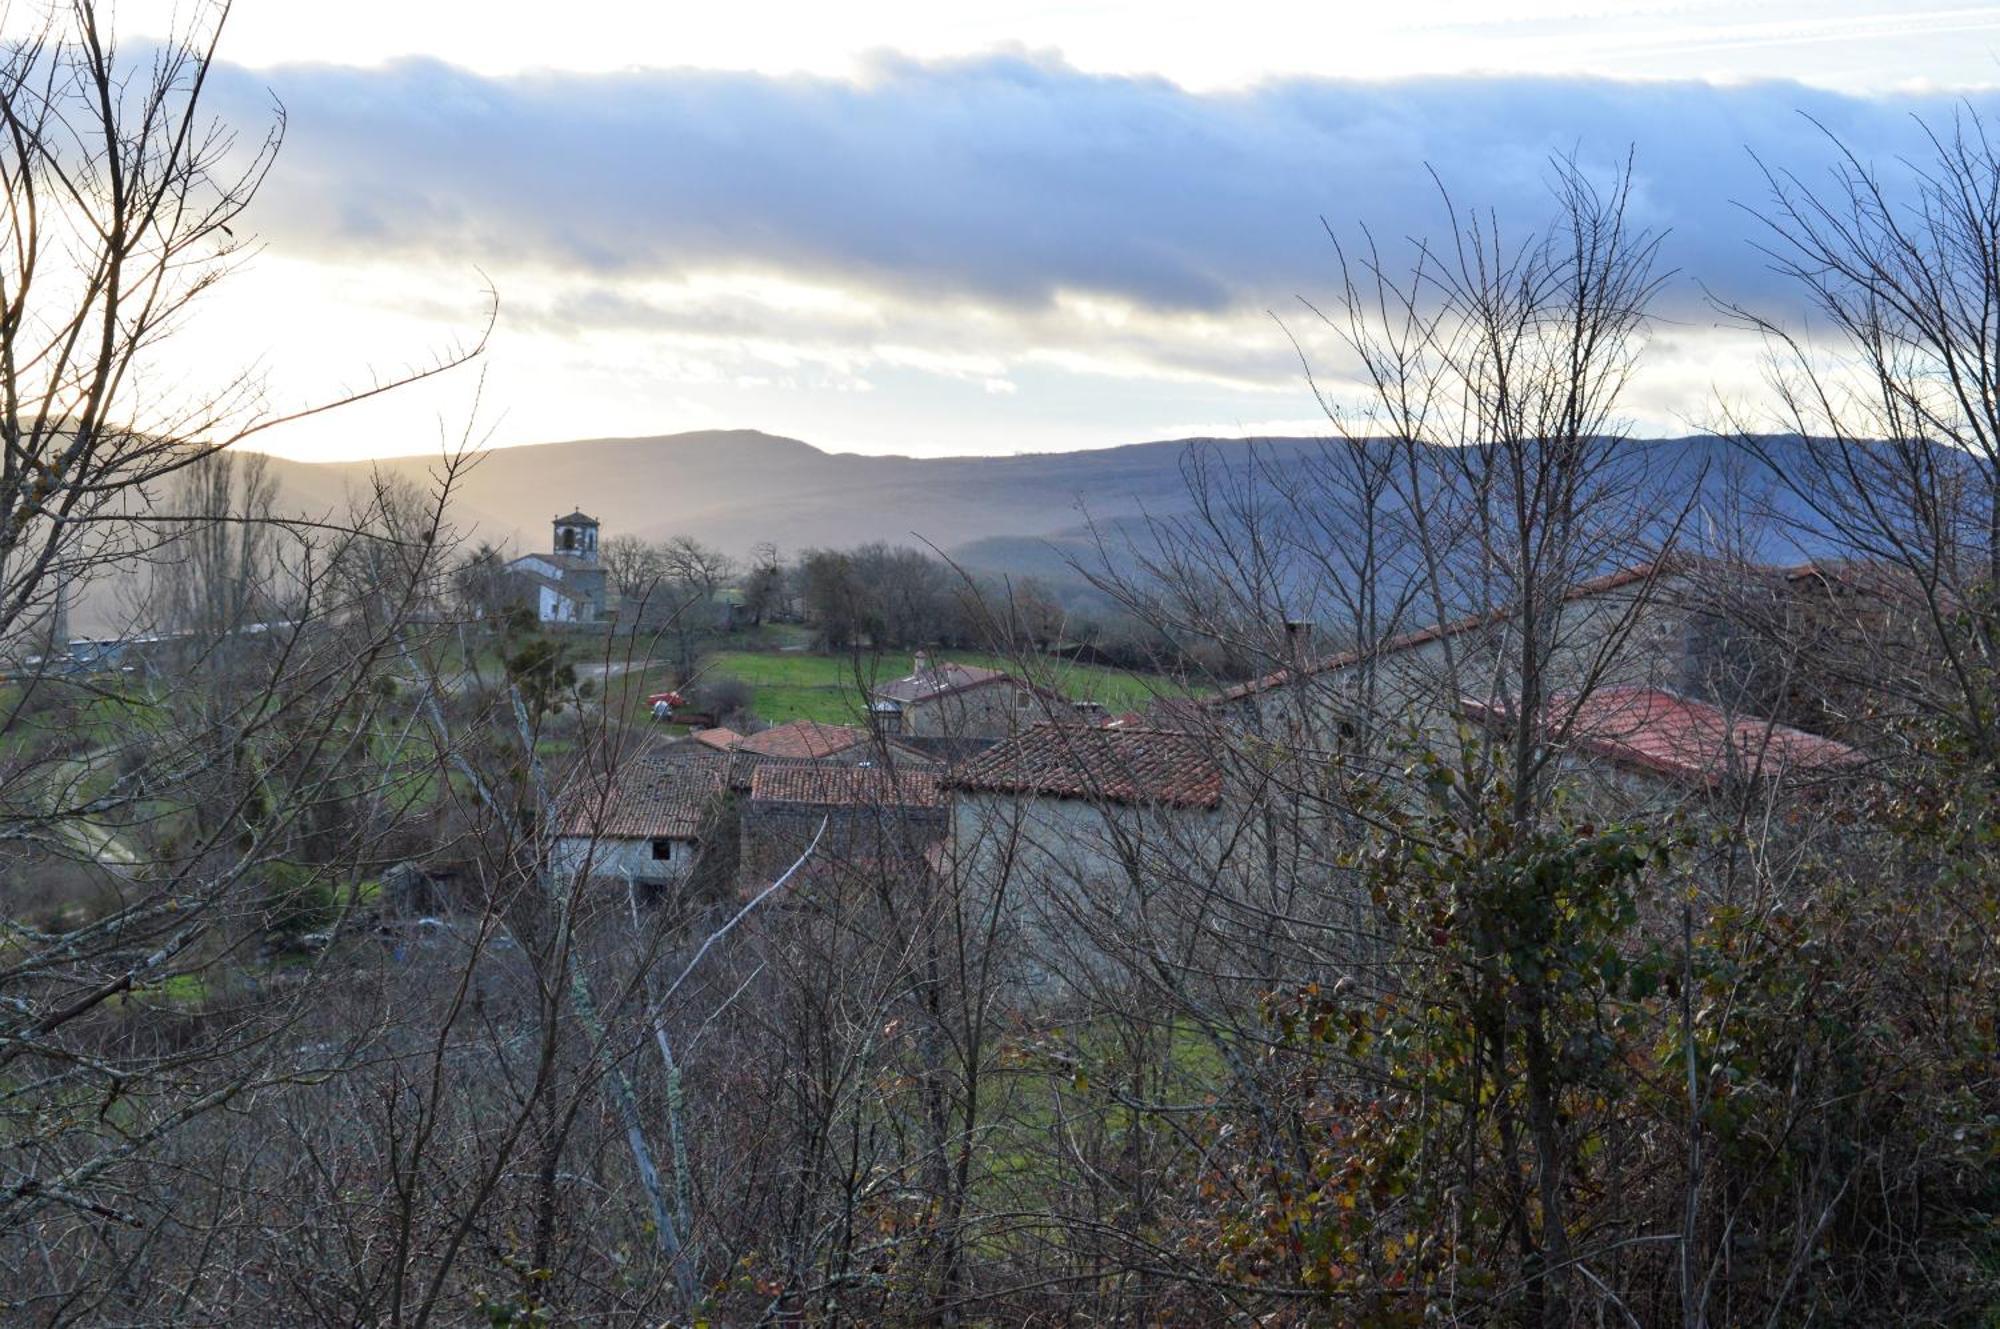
{"points": [[935, 229]]}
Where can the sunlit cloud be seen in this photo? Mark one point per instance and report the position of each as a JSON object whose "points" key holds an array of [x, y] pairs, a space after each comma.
{"points": [[998, 251]]}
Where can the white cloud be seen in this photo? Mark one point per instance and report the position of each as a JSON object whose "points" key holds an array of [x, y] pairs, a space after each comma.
{"points": [[1020, 250]]}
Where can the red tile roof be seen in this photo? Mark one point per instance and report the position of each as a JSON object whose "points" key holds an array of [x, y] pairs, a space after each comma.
{"points": [[802, 740], [1684, 740], [1135, 766], [846, 786], [720, 739], [648, 801], [1435, 632]]}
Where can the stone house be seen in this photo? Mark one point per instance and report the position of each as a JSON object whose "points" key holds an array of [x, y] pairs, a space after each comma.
{"points": [[1664, 680], [1421, 675], [1069, 829], [803, 740], [646, 828], [878, 820], [1689, 628], [945, 699]]}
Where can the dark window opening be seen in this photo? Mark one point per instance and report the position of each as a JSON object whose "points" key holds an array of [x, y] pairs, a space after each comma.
{"points": [[663, 850], [568, 538]]}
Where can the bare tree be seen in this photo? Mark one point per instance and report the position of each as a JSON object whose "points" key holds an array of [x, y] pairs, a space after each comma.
{"points": [[220, 571], [692, 575], [209, 808], [1891, 416], [764, 584], [634, 566]]}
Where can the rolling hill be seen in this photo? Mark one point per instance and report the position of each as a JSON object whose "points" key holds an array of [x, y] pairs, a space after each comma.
{"points": [[738, 487], [1024, 514], [735, 488]]}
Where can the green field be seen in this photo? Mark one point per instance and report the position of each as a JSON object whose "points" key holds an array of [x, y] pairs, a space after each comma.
{"points": [[794, 685]]}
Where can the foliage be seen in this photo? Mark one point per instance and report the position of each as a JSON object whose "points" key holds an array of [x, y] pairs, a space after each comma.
{"points": [[538, 664], [297, 899]]}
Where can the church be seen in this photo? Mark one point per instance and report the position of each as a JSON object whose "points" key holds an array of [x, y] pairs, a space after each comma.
{"points": [[567, 583]]}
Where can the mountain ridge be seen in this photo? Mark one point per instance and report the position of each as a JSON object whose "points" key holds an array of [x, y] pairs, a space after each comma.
{"points": [[736, 488]]}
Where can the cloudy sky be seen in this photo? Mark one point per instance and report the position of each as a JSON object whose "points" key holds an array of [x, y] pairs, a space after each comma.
{"points": [[940, 228]]}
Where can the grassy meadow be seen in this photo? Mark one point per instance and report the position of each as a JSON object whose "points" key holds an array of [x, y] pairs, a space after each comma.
{"points": [[797, 685]]}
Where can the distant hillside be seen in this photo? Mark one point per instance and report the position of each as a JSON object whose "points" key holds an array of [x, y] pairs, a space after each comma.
{"points": [[1025, 514], [734, 488]]}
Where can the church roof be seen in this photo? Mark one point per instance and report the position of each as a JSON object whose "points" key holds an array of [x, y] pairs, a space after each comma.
{"points": [[577, 518], [566, 563]]}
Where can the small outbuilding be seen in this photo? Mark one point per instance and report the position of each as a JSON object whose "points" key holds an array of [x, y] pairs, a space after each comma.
{"points": [[646, 828]]}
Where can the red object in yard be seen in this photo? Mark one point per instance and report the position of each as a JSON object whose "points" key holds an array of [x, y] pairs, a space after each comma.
{"points": [[670, 698]]}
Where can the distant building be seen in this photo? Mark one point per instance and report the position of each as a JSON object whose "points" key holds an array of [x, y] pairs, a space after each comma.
{"points": [[804, 741], [944, 699], [566, 585]]}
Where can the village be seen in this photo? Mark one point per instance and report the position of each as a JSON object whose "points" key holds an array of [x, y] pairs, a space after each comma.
{"points": [[887, 667], [1661, 701]]}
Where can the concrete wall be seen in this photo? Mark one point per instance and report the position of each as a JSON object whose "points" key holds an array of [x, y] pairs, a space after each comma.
{"points": [[552, 606]]}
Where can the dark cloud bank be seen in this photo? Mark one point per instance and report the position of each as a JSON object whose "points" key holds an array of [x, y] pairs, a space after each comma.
{"points": [[1006, 179]]}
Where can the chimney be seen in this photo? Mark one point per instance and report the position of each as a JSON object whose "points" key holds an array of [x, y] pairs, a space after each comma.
{"points": [[921, 665], [1298, 640]]}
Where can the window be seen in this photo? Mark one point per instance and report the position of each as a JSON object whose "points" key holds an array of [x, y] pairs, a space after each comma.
{"points": [[663, 850], [1023, 698]]}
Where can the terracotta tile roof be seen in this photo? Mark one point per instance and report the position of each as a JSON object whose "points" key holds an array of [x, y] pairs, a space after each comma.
{"points": [[942, 679], [720, 739], [1133, 766], [1878, 578], [649, 800], [802, 740], [1583, 590], [1688, 741], [846, 786]]}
